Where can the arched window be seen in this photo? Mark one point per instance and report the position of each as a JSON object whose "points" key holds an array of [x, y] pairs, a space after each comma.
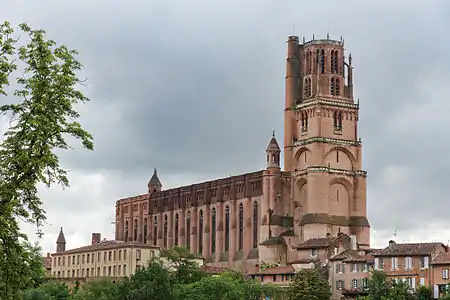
{"points": [[176, 228], [308, 62], [337, 119], [126, 231], [322, 61], [255, 224], [135, 230], [332, 86], [241, 227], [145, 230], [188, 230], [337, 88], [304, 119], [334, 61], [155, 230], [165, 231], [200, 232], [227, 228], [213, 230]]}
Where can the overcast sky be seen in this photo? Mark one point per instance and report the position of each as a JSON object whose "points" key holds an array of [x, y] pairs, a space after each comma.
{"points": [[194, 88]]}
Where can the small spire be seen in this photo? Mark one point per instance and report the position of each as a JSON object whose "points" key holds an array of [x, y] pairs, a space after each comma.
{"points": [[61, 238], [273, 133], [155, 180], [328, 35]]}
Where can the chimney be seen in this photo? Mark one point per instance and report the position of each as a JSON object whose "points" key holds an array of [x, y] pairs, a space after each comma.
{"points": [[48, 254], [96, 238], [391, 243], [353, 242]]}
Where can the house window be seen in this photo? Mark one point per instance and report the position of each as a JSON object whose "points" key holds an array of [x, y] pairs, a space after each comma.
{"points": [[340, 284], [408, 263], [338, 268], [394, 263], [365, 267], [313, 252], [354, 283], [445, 274], [424, 262]]}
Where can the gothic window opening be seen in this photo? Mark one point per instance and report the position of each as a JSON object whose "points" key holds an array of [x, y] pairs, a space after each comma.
{"points": [[334, 61], [165, 231], [317, 61], [213, 230], [308, 62], [337, 119], [322, 61], [176, 228], [304, 120], [145, 230], [155, 231], [188, 230], [306, 156], [126, 231], [135, 233], [307, 88], [200, 232], [255, 224], [241, 227], [337, 195], [337, 156], [333, 86], [337, 88], [227, 228]]}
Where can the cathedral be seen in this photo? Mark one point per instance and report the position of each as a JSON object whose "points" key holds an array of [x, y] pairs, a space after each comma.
{"points": [[262, 217]]}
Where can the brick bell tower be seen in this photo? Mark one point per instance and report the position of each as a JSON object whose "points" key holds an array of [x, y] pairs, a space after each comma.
{"points": [[321, 145]]}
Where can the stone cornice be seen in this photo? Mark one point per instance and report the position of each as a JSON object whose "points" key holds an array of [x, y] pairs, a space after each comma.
{"points": [[320, 139], [327, 102], [322, 169]]}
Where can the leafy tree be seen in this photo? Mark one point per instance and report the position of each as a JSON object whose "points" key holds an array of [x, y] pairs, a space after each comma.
{"points": [[227, 286], [151, 282], [42, 116], [182, 263], [103, 289], [308, 284], [379, 285], [424, 293], [400, 291], [48, 291]]}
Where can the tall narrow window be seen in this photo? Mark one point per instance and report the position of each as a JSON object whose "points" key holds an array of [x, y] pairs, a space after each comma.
{"points": [[213, 230], [308, 62], [334, 61], [255, 224], [322, 61], [165, 231], [200, 232], [337, 119], [304, 119], [227, 228], [337, 88], [241, 226], [176, 228], [126, 231], [188, 230], [332, 86], [337, 155], [155, 230], [145, 230], [135, 230]]}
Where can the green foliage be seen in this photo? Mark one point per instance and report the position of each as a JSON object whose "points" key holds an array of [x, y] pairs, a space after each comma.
{"points": [[399, 291], [308, 284], [379, 285], [42, 117], [48, 291], [424, 293], [97, 290]]}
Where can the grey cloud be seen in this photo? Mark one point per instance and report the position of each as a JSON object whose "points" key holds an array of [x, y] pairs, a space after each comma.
{"points": [[195, 87]]}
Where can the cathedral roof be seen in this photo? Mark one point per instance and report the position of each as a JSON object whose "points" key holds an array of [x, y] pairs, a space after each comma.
{"points": [[61, 238], [273, 144], [155, 180]]}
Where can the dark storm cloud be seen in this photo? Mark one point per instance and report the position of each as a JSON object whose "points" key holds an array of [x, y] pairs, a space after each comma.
{"points": [[195, 87]]}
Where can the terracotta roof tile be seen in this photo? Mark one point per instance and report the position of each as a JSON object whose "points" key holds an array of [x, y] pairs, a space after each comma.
{"points": [[314, 243], [106, 245], [408, 249], [442, 259], [276, 270], [361, 255]]}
